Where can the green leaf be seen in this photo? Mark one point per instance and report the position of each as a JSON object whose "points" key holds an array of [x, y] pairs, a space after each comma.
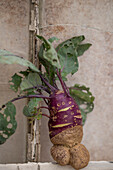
{"points": [[74, 41], [52, 39], [68, 55], [25, 84], [84, 116], [49, 53], [50, 69], [8, 58], [82, 48], [68, 51], [69, 62], [25, 73], [8, 123], [32, 80], [84, 99], [16, 80], [30, 109]]}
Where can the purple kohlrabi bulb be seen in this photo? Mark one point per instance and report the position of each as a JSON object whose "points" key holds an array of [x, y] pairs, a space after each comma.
{"points": [[64, 113]]}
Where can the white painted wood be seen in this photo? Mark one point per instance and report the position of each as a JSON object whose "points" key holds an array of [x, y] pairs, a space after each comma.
{"points": [[93, 165]]}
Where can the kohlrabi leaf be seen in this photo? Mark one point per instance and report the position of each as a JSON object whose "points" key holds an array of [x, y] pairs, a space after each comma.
{"points": [[74, 41], [84, 116], [84, 99], [52, 39], [82, 48], [68, 51], [30, 110], [25, 73], [32, 80], [17, 78], [8, 123], [68, 60], [15, 82], [9, 58], [50, 69], [68, 55], [49, 53]]}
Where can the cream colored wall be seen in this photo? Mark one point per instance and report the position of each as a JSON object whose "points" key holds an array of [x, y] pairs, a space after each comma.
{"points": [[64, 19], [94, 19], [14, 36]]}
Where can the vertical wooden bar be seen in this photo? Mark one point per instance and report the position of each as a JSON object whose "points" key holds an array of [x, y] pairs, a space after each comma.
{"points": [[33, 149]]}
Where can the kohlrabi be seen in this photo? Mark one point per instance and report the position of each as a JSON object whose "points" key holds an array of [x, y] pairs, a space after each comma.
{"points": [[68, 107]]}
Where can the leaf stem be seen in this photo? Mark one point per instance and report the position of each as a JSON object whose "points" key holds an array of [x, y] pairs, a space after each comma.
{"points": [[47, 83], [30, 96], [43, 107], [42, 113], [43, 98], [62, 83], [39, 87], [66, 88], [45, 115], [23, 97]]}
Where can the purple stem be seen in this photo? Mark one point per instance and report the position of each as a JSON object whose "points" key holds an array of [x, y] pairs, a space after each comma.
{"points": [[43, 107], [39, 87], [43, 98], [23, 97], [62, 83], [43, 113], [55, 85], [46, 82], [67, 88], [45, 101], [30, 96]]}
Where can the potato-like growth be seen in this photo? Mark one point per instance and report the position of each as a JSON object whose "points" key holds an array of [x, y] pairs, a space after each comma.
{"points": [[60, 154], [69, 137], [79, 156]]}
